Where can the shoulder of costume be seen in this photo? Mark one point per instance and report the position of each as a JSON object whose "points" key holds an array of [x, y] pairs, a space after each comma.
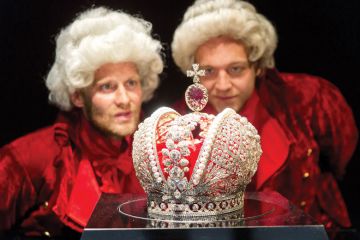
{"points": [[295, 87], [38, 149]]}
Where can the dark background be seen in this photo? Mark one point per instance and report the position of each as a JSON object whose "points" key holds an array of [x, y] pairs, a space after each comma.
{"points": [[320, 37]]}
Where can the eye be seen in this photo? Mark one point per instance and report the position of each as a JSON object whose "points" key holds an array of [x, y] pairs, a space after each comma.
{"points": [[235, 70], [107, 87], [209, 71], [132, 83]]}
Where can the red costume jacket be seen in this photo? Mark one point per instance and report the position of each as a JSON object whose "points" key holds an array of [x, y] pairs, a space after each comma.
{"points": [[51, 179], [308, 135]]}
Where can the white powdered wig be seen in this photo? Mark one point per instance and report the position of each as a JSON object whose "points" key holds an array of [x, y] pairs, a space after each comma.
{"points": [[207, 19], [100, 36]]}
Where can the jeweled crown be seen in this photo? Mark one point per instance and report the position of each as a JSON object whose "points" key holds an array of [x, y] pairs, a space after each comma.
{"points": [[195, 165]]}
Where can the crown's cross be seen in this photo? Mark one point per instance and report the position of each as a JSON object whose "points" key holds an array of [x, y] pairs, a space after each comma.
{"points": [[195, 73], [196, 95]]}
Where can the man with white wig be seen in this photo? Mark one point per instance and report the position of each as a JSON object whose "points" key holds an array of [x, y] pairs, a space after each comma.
{"points": [[308, 132], [106, 65]]}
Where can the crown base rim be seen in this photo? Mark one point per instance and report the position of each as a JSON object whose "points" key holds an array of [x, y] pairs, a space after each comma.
{"points": [[201, 207]]}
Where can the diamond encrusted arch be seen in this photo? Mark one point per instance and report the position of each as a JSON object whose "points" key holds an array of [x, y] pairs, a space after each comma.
{"points": [[228, 157], [145, 157]]}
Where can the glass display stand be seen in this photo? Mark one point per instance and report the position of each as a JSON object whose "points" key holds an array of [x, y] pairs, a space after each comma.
{"points": [[266, 215]]}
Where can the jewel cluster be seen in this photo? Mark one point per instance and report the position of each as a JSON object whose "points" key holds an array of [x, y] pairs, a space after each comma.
{"points": [[178, 140], [228, 158]]}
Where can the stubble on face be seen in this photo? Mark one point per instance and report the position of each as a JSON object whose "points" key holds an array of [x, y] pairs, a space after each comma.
{"points": [[232, 77], [112, 104], [100, 118]]}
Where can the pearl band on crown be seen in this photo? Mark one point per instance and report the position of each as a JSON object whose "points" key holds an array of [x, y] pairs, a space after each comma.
{"points": [[185, 182]]}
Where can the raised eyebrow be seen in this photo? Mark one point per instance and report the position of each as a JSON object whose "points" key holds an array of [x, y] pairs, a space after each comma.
{"points": [[101, 81], [244, 63], [206, 66], [239, 62], [135, 77]]}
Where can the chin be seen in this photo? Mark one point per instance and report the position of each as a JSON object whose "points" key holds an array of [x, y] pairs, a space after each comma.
{"points": [[221, 108], [236, 109], [118, 135], [124, 131]]}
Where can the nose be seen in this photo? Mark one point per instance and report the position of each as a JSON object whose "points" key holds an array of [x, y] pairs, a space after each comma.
{"points": [[122, 98], [223, 82]]}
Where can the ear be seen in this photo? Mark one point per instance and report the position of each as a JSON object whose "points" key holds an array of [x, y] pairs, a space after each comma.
{"points": [[77, 99], [259, 72]]}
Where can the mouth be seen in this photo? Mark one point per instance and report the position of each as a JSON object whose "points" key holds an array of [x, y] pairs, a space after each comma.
{"points": [[123, 116], [224, 98]]}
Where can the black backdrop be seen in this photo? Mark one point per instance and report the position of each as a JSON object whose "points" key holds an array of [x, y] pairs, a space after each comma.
{"points": [[320, 37]]}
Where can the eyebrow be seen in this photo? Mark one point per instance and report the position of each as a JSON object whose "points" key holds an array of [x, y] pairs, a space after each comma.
{"points": [[132, 77], [232, 63]]}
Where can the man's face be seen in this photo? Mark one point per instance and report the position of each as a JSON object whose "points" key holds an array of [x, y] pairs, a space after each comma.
{"points": [[229, 76], [113, 102]]}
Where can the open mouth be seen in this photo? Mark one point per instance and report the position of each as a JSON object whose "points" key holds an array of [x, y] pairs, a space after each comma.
{"points": [[123, 116]]}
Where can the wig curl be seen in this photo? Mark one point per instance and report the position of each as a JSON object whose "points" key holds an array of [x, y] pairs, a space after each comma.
{"points": [[96, 37], [237, 19]]}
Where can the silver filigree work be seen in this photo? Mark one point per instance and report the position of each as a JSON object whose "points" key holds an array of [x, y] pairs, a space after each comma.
{"points": [[197, 164]]}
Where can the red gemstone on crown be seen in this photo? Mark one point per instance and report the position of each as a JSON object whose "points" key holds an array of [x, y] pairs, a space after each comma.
{"points": [[196, 94], [196, 97]]}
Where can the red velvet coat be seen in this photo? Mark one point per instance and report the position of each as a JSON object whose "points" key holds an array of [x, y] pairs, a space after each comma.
{"points": [[308, 135], [53, 177]]}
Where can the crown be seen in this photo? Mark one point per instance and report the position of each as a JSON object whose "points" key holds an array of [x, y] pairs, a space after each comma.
{"points": [[195, 165]]}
